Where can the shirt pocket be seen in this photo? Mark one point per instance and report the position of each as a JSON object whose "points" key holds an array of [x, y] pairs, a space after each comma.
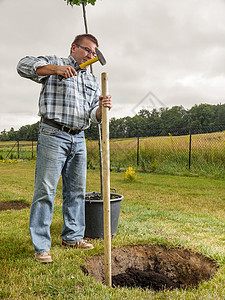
{"points": [[90, 90]]}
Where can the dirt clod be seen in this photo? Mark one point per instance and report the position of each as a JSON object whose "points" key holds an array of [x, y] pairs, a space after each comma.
{"points": [[153, 267]]}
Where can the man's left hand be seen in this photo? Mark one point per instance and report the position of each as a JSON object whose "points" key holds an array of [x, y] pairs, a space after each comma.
{"points": [[106, 102]]}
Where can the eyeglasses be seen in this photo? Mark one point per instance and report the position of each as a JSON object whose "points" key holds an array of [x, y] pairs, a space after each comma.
{"points": [[87, 50]]}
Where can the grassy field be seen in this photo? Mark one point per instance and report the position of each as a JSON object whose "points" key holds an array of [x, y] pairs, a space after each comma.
{"points": [[156, 210]]}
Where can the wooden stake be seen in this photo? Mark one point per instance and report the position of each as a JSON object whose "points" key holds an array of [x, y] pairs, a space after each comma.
{"points": [[106, 184]]}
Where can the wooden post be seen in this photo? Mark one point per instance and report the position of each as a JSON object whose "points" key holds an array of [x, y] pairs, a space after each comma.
{"points": [[106, 184], [100, 157]]}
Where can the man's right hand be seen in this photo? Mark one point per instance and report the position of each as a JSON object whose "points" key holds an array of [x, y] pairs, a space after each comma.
{"points": [[64, 71]]}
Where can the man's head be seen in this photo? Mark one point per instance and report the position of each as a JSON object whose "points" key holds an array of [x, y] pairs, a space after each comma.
{"points": [[83, 48]]}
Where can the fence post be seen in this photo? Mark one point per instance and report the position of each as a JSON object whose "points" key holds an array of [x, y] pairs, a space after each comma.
{"points": [[18, 149], [32, 156], [138, 150], [189, 149]]}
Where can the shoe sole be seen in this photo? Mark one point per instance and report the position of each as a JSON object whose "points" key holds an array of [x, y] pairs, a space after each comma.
{"points": [[75, 246]]}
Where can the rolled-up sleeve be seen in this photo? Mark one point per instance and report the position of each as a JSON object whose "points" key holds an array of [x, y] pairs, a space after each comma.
{"points": [[93, 115], [28, 65]]}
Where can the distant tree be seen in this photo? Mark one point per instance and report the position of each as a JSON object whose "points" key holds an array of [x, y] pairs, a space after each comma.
{"points": [[12, 134], [32, 132], [154, 124], [175, 119], [220, 118], [22, 133], [203, 115], [144, 113], [136, 126], [117, 128], [4, 136]]}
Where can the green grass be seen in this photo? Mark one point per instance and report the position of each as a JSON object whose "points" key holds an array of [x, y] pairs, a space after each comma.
{"points": [[157, 209]]}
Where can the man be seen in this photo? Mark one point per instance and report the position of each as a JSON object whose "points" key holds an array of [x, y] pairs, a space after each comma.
{"points": [[68, 100]]}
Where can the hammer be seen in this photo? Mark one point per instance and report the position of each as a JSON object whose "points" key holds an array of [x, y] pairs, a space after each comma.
{"points": [[99, 57]]}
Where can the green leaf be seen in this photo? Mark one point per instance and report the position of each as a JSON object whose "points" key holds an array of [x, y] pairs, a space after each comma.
{"points": [[79, 2]]}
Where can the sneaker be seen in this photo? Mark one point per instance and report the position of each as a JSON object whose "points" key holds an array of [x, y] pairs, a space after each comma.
{"points": [[44, 257], [81, 245]]}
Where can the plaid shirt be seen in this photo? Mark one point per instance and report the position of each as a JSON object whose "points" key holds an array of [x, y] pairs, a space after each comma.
{"points": [[71, 102]]}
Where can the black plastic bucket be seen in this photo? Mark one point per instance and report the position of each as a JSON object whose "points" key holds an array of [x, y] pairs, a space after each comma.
{"points": [[94, 214]]}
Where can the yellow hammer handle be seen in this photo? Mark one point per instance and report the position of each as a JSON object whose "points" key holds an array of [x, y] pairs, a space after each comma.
{"points": [[89, 62]]}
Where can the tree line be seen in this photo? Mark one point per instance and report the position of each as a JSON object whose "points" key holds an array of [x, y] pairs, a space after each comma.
{"points": [[176, 121]]}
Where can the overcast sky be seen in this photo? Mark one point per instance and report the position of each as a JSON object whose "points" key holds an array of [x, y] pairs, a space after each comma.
{"points": [[159, 53]]}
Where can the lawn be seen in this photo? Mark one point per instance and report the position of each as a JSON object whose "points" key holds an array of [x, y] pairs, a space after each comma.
{"points": [[174, 211]]}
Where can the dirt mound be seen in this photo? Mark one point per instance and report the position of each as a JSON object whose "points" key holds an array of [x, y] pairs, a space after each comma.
{"points": [[155, 267], [17, 205]]}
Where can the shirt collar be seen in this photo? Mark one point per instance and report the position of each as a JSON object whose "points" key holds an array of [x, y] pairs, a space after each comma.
{"points": [[75, 64]]}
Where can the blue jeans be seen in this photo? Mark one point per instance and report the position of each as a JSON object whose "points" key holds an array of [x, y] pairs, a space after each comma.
{"points": [[58, 153]]}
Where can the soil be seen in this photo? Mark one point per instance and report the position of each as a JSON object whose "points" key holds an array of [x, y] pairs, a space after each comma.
{"points": [[17, 205], [153, 267], [97, 196]]}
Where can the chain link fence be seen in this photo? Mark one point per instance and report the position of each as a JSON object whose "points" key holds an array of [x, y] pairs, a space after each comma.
{"points": [[25, 150], [196, 152]]}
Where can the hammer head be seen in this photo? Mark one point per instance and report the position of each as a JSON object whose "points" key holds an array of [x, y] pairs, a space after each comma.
{"points": [[100, 56]]}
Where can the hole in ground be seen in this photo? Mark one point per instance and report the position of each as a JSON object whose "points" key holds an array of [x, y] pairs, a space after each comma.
{"points": [[154, 267]]}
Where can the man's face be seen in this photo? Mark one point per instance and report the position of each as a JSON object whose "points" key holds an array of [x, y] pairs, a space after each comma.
{"points": [[80, 54]]}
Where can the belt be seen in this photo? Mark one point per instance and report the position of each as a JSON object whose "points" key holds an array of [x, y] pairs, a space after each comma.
{"points": [[60, 127]]}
